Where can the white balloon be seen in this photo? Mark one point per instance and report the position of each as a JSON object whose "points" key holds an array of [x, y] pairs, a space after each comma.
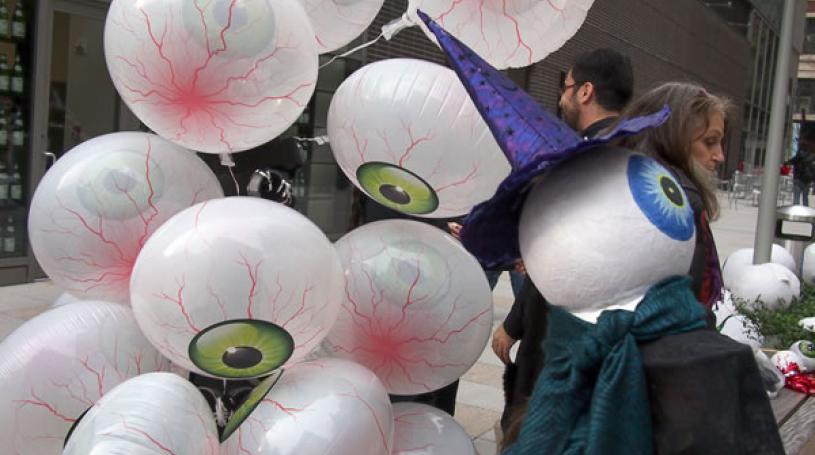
{"points": [[406, 133], [215, 76], [614, 221], [772, 284], [325, 407], [229, 287], [507, 33], [338, 22], [808, 265], [152, 414], [96, 207], [65, 298], [58, 364], [417, 308], [420, 429], [807, 324], [805, 350], [739, 259], [734, 325]]}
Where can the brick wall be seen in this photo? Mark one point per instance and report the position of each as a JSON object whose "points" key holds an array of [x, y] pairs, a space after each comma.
{"points": [[667, 40]]}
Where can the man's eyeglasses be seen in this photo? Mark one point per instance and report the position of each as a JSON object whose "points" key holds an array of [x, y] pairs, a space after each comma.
{"points": [[568, 86]]}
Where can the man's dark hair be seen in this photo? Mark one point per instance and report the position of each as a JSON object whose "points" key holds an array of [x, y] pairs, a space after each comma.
{"points": [[611, 74]]}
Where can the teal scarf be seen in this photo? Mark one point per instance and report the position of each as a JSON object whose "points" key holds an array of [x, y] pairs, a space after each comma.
{"points": [[591, 397]]}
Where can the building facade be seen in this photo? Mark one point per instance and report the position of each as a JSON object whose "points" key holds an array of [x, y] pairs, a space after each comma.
{"points": [[69, 97]]}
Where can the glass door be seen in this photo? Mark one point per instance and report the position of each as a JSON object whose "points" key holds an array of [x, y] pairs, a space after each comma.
{"points": [[17, 19], [73, 96]]}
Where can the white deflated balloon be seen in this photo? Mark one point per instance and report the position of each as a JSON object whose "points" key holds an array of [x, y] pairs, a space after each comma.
{"points": [[739, 259], [771, 284], [152, 414]]}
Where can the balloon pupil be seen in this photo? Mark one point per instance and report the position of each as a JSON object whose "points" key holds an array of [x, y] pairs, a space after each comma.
{"points": [[670, 189], [242, 357], [395, 194]]}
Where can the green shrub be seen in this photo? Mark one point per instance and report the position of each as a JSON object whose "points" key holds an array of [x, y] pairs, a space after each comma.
{"points": [[780, 326]]}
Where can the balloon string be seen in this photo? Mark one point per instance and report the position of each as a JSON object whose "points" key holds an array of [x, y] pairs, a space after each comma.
{"points": [[346, 54], [320, 140], [229, 163], [388, 31]]}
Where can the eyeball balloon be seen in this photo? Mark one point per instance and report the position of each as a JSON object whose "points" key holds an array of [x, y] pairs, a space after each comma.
{"points": [[806, 350], [420, 429], [338, 22], [507, 33], [612, 220], [771, 284], [330, 406], [405, 132], [738, 260], [215, 76], [417, 308], [783, 360], [96, 207], [152, 414], [58, 364], [236, 287]]}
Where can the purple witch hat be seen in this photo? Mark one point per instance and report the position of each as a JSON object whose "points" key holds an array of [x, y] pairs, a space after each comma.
{"points": [[532, 139]]}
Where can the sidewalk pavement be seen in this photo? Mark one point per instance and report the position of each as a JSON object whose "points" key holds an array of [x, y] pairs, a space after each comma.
{"points": [[480, 395]]}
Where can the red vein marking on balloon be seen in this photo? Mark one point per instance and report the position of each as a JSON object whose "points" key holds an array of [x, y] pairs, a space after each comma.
{"points": [[39, 402], [286, 410], [382, 436], [179, 302], [414, 142], [420, 449], [137, 358], [517, 26], [99, 232], [374, 301], [288, 96], [204, 27], [554, 7], [273, 302], [100, 376], [240, 443], [361, 149], [71, 393], [84, 260], [210, 53], [466, 179], [388, 149], [481, 27], [409, 377], [252, 271], [248, 74], [320, 42], [218, 301], [399, 417], [355, 305], [302, 309], [409, 297], [198, 214], [141, 71], [150, 438], [441, 17], [159, 44]]}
